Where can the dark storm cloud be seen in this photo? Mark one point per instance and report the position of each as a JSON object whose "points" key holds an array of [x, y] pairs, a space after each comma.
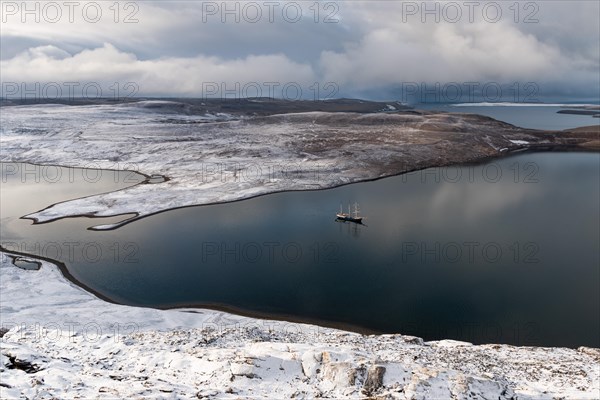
{"points": [[366, 48]]}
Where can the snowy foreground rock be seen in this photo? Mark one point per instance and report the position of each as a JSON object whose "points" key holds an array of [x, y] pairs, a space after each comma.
{"points": [[64, 343]]}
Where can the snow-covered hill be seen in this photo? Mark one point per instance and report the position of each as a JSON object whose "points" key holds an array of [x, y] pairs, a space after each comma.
{"points": [[221, 157]]}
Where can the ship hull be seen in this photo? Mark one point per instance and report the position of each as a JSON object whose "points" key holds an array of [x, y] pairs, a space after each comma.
{"points": [[349, 218]]}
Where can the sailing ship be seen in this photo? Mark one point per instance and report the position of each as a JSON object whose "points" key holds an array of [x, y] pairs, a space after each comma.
{"points": [[350, 216]]}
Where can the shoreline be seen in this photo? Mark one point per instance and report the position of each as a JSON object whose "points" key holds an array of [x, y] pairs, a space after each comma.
{"points": [[319, 149], [62, 267], [115, 351], [263, 315], [137, 215]]}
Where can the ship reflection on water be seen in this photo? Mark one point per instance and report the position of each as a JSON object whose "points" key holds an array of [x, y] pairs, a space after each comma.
{"points": [[353, 228]]}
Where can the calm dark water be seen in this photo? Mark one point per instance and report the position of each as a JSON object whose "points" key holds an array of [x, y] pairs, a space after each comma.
{"points": [[506, 252]]}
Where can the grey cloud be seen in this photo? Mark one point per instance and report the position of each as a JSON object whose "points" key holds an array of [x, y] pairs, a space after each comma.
{"points": [[370, 52]]}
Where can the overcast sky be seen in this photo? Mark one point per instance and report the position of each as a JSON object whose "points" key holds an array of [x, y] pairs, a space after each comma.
{"points": [[375, 49]]}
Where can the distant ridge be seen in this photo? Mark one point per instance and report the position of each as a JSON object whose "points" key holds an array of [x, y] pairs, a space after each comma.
{"points": [[253, 106]]}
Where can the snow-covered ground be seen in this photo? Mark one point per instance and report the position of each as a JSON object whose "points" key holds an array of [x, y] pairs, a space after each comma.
{"points": [[65, 343], [214, 158], [62, 342]]}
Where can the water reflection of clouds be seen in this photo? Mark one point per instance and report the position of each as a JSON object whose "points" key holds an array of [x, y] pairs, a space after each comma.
{"points": [[27, 188], [472, 202], [23, 183]]}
